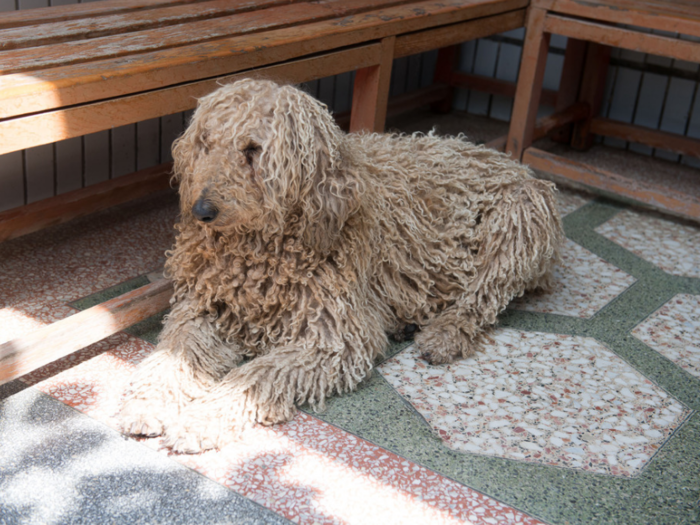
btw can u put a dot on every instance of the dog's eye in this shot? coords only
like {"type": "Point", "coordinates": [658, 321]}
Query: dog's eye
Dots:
{"type": "Point", "coordinates": [251, 151]}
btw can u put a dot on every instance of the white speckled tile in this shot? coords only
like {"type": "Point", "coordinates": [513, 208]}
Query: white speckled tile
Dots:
{"type": "Point", "coordinates": [672, 246]}
{"type": "Point", "coordinates": [585, 283]}
{"type": "Point", "coordinates": [554, 399]}
{"type": "Point", "coordinates": [569, 201]}
{"type": "Point", "coordinates": [674, 332]}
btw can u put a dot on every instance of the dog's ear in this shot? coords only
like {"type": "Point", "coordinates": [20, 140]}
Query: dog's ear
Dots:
{"type": "Point", "coordinates": [326, 190]}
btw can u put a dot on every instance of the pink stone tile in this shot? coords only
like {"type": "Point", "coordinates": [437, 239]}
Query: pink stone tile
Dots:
{"type": "Point", "coordinates": [674, 332]}
{"type": "Point", "coordinates": [584, 283]}
{"type": "Point", "coordinates": [554, 399]}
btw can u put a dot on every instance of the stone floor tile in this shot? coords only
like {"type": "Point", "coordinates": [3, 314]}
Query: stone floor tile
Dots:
{"type": "Point", "coordinates": [554, 399]}
{"type": "Point", "coordinates": [674, 332]}
{"type": "Point", "coordinates": [672, 246]}
{"type": "Point", "coordinates": [569, 201]}
{"type": "Point", "coordinates": [584, 283]}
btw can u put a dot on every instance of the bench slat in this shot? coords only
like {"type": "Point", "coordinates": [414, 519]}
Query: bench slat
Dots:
{"type": "Point", "coordinates": [44, 128]}
{"type": "Point", "coordinates": [40, 15]}
{"type": "Point", "coordinates": [67, 53]}
{"type": "Point", "coordinates": [95, 27]}
{"type": "Point", "coordinates": [80, 83]}
{"type": "Point", "coordinates": [669, 15]}
{"type": "Point", "coordinates": [19, 60]}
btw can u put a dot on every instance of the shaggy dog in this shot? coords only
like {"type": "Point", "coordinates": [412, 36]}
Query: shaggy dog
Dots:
{"type": "Point", "coordinates": [301, 247]}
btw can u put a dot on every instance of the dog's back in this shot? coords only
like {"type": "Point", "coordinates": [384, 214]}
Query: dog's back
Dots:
{"type": "Point", "coordinates": [436, 199]}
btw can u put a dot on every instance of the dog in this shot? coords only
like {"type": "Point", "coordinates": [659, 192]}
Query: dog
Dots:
{"type": "Point", "coordinates": [300, 247]}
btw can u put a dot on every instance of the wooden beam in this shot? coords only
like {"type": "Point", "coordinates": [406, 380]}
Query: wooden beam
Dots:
{"type": "Point", "coordinates": [650, 137]}
{"type": "Point", "coordinates": [499, 143]}
{"type": "Point", "coordinates": [64, 13]}
{"type": "Point", "coordinates": [625, 38]}
{"type": "Point", "coordinates": [665, 15]}
{"type": "Point", "coordinates": [45, 345]}
{"type": "Point", "coordinates": [403, 103]}
{"type": "Point", "coordinates": [496, 86]}
{"type": "Point", "coordinates": [102, 79]}
{"type": "Point", "coordinates": [574, 60]}
{"type": "Point", "coordinates": [547, 124]}
{"type": "Point", "coordinates": [656, 196]}
{"type": "Point", "coordinates": [444, 69]}
{"type": "Point", "coordinates": [592, 92]}
{"type": "Point", "coordinates": [371, 92]}
{"type": "Point", "coordinates": [62, 208]}
{"type": "Point", "coordinates": [529, 89]}
{"type": "Point", "coordinates": [422, 41]}
{"type": "Point", "coordinates": [45, 128]}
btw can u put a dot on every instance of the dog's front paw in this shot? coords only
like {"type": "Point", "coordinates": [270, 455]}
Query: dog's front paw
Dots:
{"type": "Point", "coordinates": [205, 426]}
{"type": "Point", "coordinates": [190, 437]}
{"type": "Point", "coordinates": [443, 345]}
{"type": "Point", "coordinates": [142, 417]}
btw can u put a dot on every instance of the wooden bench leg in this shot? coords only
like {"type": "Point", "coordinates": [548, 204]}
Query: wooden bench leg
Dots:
{"type": "Point", "coordinates": [371, 92]}
{"type": "Point", "coordinates": [446, 61]}
{"type": "Point", "coordinates": [592, 92]}
{"type": "Point", "coordinates": [529, 88]}
{"type": "Point", "coordinates": [569, 84]}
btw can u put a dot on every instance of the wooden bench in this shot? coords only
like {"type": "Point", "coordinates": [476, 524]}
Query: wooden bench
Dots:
{"type": "Point", "coordinates": [73, 70]}
{"type": "Point", "coordinates": [593, 27]}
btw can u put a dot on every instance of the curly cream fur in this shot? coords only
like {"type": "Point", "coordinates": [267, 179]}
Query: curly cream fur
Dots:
{"type": "Point", "coordinates": [325, 242]}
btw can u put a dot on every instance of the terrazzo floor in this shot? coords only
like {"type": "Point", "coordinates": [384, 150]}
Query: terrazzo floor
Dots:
{"type": "Point", "coordinates": [582, 409]}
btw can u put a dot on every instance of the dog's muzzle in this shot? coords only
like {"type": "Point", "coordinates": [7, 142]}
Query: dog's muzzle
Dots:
{"type": "Point", "coordinates": [204, 210]}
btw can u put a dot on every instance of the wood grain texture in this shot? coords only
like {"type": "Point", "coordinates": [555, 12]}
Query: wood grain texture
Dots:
{"type": "Point", "coordinates": [592, 92]}
{"type": "Point", "coordinates": [371, 91]}
{"type": "Point", "coordinates": [624, 38]}
{"type": "Point", "coordinates": [529, 87]}
{"type": "Point", "coordinates": [650, 137]}
{"type": "Point", "coordinates": [45, 128]}
{"type": "Point", "coordinates": [94, 27]}
{"type": "Point", "coordinates": [572, 70]}
{"type": "Point", "coordinates": [187, 31]}
{"type": "Point", "coordinates": [445, 67]}
{"type": "Point", "coordinates": [81, 83]}
{"type": "Point", "coordinates": [666, 15]}
{"type": "Point", "coordinates": [45, 345]}
{"type": "Point", "coordinates": [496, 86]}
{"type": "Point", "coordinates": [660, 197]}
{"type": "Point", "coordinates": [47, 15]}
{"type": "Point", "coordinates": [548, 124]}
{"type": "Point", "coordinates": [457, 33]}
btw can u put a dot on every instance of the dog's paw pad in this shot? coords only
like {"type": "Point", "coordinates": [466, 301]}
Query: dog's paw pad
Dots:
{"type": "Point", "coordinates": [141, 426]}
{"type": "Point", "coordinates": [436, 359]}
{"type": "Point", "coordinates": [187, 440]}
{"type": "Point", "coordinates": [438, 346]}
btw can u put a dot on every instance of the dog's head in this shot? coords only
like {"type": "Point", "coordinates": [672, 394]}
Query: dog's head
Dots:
{"type": "Point", "coordinates": [258, 155]}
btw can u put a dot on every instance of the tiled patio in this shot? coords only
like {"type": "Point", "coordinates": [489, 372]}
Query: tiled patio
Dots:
{"type": "Point", "coordinates": [583, 409]}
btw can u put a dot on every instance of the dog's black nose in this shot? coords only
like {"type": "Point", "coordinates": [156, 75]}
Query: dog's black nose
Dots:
{"type": "Point", "coordinates": [204, 210]}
